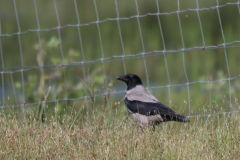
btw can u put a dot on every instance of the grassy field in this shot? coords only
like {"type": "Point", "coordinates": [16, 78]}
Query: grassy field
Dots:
{"type": "Point", "coordinates": [27, 138]}
{"type": "Point", "coordinates": [47, 73]}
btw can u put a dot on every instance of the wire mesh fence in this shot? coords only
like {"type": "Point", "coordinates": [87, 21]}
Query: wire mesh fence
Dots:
{"type": "Point", "coordinates": [59, 55]}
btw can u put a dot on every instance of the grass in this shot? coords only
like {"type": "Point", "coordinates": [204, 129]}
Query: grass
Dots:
{"type": "Point", "coordinates": [75, 137]}
{"type": "Point", "coordinates": [27, 138]}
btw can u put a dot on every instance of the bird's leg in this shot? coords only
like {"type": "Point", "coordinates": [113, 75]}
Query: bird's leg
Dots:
{"type": "Point", "coordinates": [142, 126]}
{"type": "Point", "coordinates": [156, 123]}
{"type": "Point", "coordinates": [147, 127]}
{"type": "Point", "coordinates": [153, 127]}
{"type": "Point", "coordinates": [152, 124]}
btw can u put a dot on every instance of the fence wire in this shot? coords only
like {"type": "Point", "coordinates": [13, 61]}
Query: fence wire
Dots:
{"type": "Point", "coordinates": [124, 58]}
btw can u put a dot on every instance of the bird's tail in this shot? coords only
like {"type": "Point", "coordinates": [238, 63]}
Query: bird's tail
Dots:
{"type": "Point", "coordinates": [178, 118]}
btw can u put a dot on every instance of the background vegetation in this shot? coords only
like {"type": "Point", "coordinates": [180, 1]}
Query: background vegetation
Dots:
{"type": "Point", "coordinates": [49, 74]}
{"type": "Point", "coordinates": [51, 69]}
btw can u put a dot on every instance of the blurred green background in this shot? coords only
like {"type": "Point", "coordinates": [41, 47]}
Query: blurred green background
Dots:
{"type": "Point", "coordinates": [83, 47]}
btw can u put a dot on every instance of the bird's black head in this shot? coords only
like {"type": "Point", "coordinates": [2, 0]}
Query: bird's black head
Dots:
{"type": "Point", "coordinates": [131, 80]}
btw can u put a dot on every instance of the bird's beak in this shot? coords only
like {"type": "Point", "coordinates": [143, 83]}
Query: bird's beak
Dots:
{"type": "Point", "coordinates": [122, 78]}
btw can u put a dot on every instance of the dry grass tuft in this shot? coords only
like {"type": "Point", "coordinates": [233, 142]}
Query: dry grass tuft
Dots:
{"type": "Point", "coordinates": [24, 139]}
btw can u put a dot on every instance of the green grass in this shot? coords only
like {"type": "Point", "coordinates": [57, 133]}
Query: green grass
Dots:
{"type": "Point", "coordinates": [67, 132]}
{"type": "Point", "coordinates": [27, 138]}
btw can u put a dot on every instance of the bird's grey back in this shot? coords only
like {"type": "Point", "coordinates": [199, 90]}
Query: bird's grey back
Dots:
{"type": "Point", "coordinates": [139, 94]}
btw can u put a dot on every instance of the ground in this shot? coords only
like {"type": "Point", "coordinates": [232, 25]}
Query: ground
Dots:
{"type": "Point", "coordinates": [30, 139]}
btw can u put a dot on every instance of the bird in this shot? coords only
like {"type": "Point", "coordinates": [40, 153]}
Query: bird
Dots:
{"type": "Point", "coordinates": [143, 107]}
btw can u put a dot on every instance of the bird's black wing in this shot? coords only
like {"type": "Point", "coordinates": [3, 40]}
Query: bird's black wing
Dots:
{"type": "Point", "coordinates": [150, 109]}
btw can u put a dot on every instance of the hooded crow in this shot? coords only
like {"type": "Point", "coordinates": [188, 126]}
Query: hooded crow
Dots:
{"type": "Point", "coordinates": [143, 107]}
